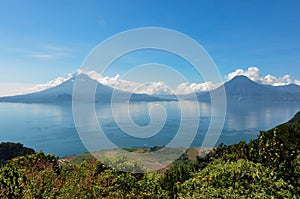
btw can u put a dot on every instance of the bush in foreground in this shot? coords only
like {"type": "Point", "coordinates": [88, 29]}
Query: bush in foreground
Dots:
{"type": "Point", "coordinates": [240, 179]}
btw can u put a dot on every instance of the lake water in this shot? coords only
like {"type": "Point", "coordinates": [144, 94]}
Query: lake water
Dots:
{"type": "Point", "coordinates": [51, 128]}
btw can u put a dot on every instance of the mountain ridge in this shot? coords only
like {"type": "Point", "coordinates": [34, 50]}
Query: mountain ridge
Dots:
{"type": "Point", "coordinates": [295, 119]}
{"type": "Point", "coordinates": [238, 89]}
{"type": "Point", "coordinates": [242, 89]}
{"type": "Point", "coordinates": [64, 91]}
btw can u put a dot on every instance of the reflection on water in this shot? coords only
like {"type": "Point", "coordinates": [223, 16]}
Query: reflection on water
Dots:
{"type": "Point", "coordinates": [51, 128]}
{"type": "Point", "coordinates": [44, 127]}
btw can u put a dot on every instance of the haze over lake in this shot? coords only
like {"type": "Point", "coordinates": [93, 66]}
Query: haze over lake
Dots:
{"type": "Point", "coordinates": [51, 128]}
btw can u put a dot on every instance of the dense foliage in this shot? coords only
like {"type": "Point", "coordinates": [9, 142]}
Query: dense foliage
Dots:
{"type": "Point", "coordinates": [276, 149]}
{"type": "Point", "coordinates": [9, 150]}
{"type": "Point", "coordinates": [240, 179]}
{"type": "Point", "coordinates": [267, 167]}
{"type": "Point", "coordinates": [40, 176]}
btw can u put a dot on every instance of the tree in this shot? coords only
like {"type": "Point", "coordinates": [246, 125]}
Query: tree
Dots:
{"type": "Point", "coordinates": [9, 150]}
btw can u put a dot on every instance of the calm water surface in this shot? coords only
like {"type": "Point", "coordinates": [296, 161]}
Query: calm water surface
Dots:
{"type": "Point", "coordinates": [51, 128]}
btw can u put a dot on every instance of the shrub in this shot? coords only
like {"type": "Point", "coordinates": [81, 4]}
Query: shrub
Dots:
{"type": "Point", "coordinates": [240, 179]}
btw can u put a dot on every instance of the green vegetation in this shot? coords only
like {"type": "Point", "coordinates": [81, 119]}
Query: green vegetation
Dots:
{"type": "Point", "coordinates": [267, 167]}
{"type": "Point", "coordinates": [239, 179]}
{"type": "Point", "coordinates": [276, 149]}
{"type": "Point", "coordinates": [9, 150]}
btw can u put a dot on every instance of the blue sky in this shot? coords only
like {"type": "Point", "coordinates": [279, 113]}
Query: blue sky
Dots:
{"type": "Point", "coordinates": [41, 40]}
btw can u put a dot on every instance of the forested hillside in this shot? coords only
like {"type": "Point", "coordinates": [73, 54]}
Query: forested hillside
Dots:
{"type": "Point", "coordinates": [9, 150]}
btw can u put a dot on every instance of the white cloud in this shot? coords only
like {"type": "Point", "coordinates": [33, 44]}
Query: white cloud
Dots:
{"type": "Point", "coordinates": [154, 88]}
{"type": "Point", "coordinates": [15, 88]}
{"type": "Point", "coordinates": [186, 88]}
{"type": "Point", "coordinates": [253, 73]}
{"type": "Point", "coordinates": [49, 52]}
{"type": "Point", "coordinates": [151, 88]}
{"type": "Point", "coordinates": [114, 82]}
{"type": "Point", "coordinates": [46, 55]}
{"type": "Point", "coordinates": [56, 48]}
{"type": "Point", "coordinates": [50, 84]}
